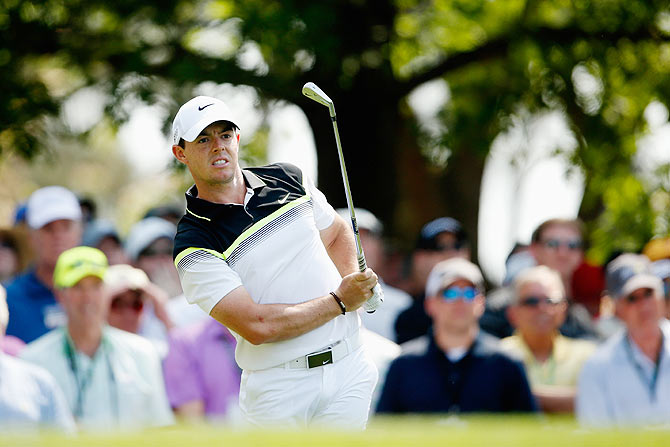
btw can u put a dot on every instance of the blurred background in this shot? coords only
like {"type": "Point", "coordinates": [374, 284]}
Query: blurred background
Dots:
{"type": "Point", "coordinates": [500, 113]}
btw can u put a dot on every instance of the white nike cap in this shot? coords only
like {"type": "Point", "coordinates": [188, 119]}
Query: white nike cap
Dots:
{"type": "Point", "coordinates": [197, 114]}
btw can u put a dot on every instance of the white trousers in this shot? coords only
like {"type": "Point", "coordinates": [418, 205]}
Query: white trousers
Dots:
{"type": "Point", "coordinates": [336, 395]}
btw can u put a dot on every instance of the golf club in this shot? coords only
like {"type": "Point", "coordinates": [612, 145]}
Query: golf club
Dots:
{"type": "Point", "coordinates": [313, 92]}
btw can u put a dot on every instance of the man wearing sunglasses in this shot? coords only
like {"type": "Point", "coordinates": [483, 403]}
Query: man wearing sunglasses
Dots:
{"type": "Point", "coordinates": [552, 361]}
{"type": "Point", "coordinates": [132, 296]}
{"type": "Point", "coordinates": [456, 368]}
{"type": "Point", "coordinates": [627, 381]}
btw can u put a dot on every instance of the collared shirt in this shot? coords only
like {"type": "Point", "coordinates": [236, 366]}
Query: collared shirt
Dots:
{"type": "Point", "coordinates": [200, 366]}
{"type": "Point", "coordinates": [121, 386]}
{"type": "Point", "coordinates": [617, 385]}
{"type": "Point", "coordinates": [561, 368]}
{"type": "Point", "coordinates": [424, 380]}
{"type": "Point", "coordinates": [33, 308]}
{"type": "Point", "coordinates": [271, 245]}
{"type": "Point", "coordinates": [30, 398]}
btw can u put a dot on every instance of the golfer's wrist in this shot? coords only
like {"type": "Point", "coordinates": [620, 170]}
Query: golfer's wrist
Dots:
{"type": "Point", "coordinates": [340, 303]}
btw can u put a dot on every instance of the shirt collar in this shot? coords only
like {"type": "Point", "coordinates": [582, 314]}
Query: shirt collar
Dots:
{"type": "Point", "coordinates": [252, 180]}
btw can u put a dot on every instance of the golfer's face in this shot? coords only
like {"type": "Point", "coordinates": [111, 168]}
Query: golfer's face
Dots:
{"type": "Point", "coordinates": [212, 156]}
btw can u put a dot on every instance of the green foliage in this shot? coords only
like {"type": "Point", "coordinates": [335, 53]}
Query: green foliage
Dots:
{"type": "Point", "coordinates": [599, 62]}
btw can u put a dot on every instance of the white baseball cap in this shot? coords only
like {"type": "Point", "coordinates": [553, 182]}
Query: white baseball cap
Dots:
{"type": "Point", "coordinates": [197, 114]}
{"type": "Point", "coordinates": [447, 272]}
{"type": "Point", "coordinates": [51, 203]}
{"type": "Point", "coordinates": [145, 232]}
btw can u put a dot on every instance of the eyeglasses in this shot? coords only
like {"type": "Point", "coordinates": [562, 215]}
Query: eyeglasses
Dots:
{"type": "Point", "coordinates": [555, 244]}
{"type": "Point", "coordinates": [535, 301]}
{"type": "Point", "coordinates": [119, 305]}
{"type": "Point", "coordinates": [643, 295]}
{"type": "Point", "coordinates": [454, 293]}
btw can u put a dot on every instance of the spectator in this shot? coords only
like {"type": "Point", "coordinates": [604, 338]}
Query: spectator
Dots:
{"type": "Point", "coordinates": [201, 376]}
{"type": "Point", "coordinates": [395, 300]}
{"type": "Point", "coordinates": [439, 239]}
{"type": "Point", "coordinates": [102, 234]}
{"type": "Point", "coordinates": [458, 368]}
{"type": "Point", "coordinates": [558, 244]}
{"type": "Point", "coordinates": [54, 218]}
{"type": "Point", "coordinates": [29, 395]}
{"type": "Point", "coordinates": [130, 290]}
{"type": "Point", "coordinates": [149, 245]}
{"type": "Point", "coordinates": [552, 361]}
{"type": "Point", "coordinates": [627, 381]}
{"type": "Point", "coordinates": [111, 378]}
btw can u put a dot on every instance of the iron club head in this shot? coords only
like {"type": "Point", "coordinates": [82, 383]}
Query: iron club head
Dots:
{"type": "Point", "coordinates": [313, 92]}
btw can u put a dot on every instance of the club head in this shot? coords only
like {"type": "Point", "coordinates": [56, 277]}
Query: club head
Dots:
{"type": "Point", "coordinates": [314, 93]}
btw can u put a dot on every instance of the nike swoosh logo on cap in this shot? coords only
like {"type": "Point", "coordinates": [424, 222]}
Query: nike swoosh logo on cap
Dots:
{"type": "Point", "coordinates": [204, 107]}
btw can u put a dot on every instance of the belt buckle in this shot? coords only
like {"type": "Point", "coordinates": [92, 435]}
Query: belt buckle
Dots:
{"type": "Point", "coordinates": [320, 358]}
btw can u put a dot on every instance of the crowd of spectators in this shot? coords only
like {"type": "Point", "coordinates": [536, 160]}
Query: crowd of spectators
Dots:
{"type": "Point", "coordinates": [95, 332]}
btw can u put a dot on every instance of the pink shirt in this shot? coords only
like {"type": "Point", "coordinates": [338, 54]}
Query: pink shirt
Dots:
{"type": "Point", "coordinates": [200, 365]}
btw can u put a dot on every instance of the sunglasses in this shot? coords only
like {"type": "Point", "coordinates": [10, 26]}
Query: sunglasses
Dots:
{"type": "Point", "coordinates": [454, 293]}
{"type": "Point", "coordinates": [643, 295]}
{"type": "Point", "coordinates": [535, 301]}
{"type": "Point", "coordinates": [119, 305]}
{"type": "Point", "coordinates": [555, 244]}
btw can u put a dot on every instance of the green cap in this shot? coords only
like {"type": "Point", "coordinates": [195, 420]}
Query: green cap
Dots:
{"type": "Point", "coordinates": [77, 263]}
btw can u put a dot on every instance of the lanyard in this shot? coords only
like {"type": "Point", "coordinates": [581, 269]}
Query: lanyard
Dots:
{"type": "Point", "coordinates": [84, 381]}
{"type": "Point", "coordinates": [640, 371]}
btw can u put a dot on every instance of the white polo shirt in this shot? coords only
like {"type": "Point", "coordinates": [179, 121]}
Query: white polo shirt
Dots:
{"type": "Point", "coordinates": [271, 246]}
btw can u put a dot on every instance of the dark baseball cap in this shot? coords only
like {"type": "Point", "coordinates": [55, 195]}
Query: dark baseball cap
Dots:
{"type": "Point", "coordinates": [629, 272]}
{"type": "Point", "coordinates": [428, 239]}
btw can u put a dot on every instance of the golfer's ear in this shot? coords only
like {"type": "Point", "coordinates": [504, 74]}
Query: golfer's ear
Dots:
{"type": "Point", "coordinates": [178, 153]}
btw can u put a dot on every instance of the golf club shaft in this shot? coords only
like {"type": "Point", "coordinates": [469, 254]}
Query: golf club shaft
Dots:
{"type": "Point", "coordinates": [362, 265]}
{"type": "Point", "coordinates": [315, 93]}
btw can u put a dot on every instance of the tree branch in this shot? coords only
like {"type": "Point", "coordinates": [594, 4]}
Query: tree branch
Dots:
{"type": "Point", "coordinates": [498, 47]}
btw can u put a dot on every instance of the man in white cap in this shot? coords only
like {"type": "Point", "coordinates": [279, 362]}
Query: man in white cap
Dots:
{"type": "Point", "coordinates": [627, 380]}
{"type": "Point", "coordinates": [456, 368]}
{"type": "Point", "coordinates": [263, 252]}
{"type": "Point", "coordinates": [54, 218]}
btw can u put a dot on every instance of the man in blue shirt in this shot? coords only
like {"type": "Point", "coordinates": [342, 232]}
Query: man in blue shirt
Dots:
{"type": "Point", "coordinates": [456, 368]}
{"type": "Point", "coordinates": [54, 217]}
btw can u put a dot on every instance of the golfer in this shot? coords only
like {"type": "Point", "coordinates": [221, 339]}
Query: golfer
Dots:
{"type": "Point", "coordinates": [263, 252]}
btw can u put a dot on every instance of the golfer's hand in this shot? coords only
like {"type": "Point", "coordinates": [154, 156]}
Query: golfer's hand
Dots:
{"type": "Point", "coordinates": [375, 300]}
{"type": "Point", "coordinates": [356, 288]}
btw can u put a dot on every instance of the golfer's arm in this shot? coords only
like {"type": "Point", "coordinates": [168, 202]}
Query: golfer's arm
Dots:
{"type": "Point", "coordinates": [266, 323]}
{"type": "Point", "coordinates": [338, 239]}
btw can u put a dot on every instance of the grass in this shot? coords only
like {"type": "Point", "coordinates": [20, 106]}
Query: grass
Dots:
{"type": "Point", "coordinates": [414, 431]}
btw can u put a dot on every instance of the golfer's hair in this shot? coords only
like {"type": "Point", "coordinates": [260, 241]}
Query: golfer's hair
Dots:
{"type": "Point", "coordinates": [4, 312]}
{"type": "Point", "coordinates": [577, 224]}
{"type": "Point", "coordinates": [543, 275]}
